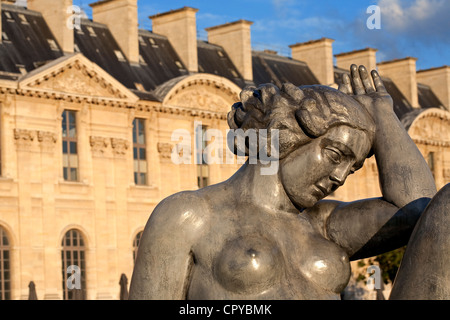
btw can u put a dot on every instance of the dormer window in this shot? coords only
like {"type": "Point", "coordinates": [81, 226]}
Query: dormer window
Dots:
{"type": "Point", "coordinates": [91, 31]}
{"type": "Point", "coordinates": [142, 41]}
{"type": "Point", "coordinates": [119, 55]}
{"type": "Point", "coordinates": [142, 61]}
{"type": "Point", "coordinates": [52, 44]}
{"type": "Point", "coordinates": [179, 65]}
{"type": "Point", "coordinates": [22, 18]}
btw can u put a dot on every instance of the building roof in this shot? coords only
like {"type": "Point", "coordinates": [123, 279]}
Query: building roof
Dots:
{"type": "Point", "coordinates": [214, 59]}
{"type": "Point", "coordinates": [160, 62]}
{"type": "Point", "coordinates": [427, 98]}
{"type": "Point", "coordinates": [27, 41]}
{"type": "Point", "coordinates": [28, 44]}
{"type": "Point", "coordinates": [276, 69]}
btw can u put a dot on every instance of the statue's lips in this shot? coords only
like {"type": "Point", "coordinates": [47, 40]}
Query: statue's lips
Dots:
{"type": "Point", "coordinates": [324, 191]}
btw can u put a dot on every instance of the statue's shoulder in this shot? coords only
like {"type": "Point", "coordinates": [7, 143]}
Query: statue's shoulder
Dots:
{"type": "Point", "coordinates": [181, 201]}
{"type": "Point", "coordinates": [181, 206]}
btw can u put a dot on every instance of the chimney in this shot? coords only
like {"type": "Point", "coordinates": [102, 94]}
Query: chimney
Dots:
{"type": "Point", "coordinates": [403, 73]}
{"type": "Point", "coordinates": [366, 57]}
{"type": "Point", "coordinates": [180, 27]}
{"type": "Point", "coordinates": [121, 17]}
{"type": "Point", "coordinates": [318, 54]}
{"type": "Point", "coordinates": [234, 37]}
{"type": "Point", "coordinates": [439, 81]}
{"type": "Point", "coordinates": [56, 14]}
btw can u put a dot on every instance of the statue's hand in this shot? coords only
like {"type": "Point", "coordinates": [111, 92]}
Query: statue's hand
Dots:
{"type": "Point", "coordinates": [376, 100]}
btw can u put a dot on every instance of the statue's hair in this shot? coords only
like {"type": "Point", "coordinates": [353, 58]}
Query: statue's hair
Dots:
{"type": "Point", "coordinates": [299, 113]}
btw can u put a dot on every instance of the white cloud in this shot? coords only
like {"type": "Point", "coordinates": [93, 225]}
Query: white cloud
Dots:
{"type": "Point", "coordinates": [412, 16]}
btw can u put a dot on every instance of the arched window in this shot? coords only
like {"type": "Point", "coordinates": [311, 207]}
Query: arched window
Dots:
{"type": "Point", "coordinates": [73, 254]}
{"type": "Point", "coordinates": [5, 267]}
{"type": "Point", "coordinates": [136, 241]}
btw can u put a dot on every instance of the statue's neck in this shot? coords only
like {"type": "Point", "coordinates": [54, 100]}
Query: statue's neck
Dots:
{"type": "Point", "coordinates": [261, 184]}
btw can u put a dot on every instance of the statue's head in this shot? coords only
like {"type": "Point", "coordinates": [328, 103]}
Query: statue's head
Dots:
{"type": "Point", "coordinates": [324, 135]}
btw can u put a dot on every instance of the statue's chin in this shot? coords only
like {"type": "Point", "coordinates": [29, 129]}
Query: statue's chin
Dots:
{"type": "Point", "coordinates": [302, 203]}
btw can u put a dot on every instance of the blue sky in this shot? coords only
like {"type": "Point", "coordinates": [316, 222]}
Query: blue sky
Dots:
{"type": "Point", "coordinates": [417, 28]}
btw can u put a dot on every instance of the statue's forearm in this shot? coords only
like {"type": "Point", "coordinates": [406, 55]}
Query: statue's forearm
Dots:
{"type": "Point", "coordinates": [403, 172]}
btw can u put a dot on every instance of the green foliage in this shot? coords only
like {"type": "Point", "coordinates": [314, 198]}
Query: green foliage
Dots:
{"type": "Point", "coordinates": [360, 277]}
{"type": "Point", "coordinates": [389, 263]}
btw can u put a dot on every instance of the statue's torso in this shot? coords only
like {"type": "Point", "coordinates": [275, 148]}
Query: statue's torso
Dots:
{"type": "Point", "coordinates": [249, 253]}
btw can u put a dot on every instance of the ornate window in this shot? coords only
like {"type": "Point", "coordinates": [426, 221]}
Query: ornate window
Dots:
{"type": "Point", "coordinates": [139, 152]}
{"type": "Point", "coordinates": [69, 145]}
{"type": "Point", "coordinates": [136, 241]}
{"type": "Point", "coordinates": [73, 254]}
{"type": "Point", "coordinates": [5, 266]}
{"type": "Point", "coordinates": [202, 165]}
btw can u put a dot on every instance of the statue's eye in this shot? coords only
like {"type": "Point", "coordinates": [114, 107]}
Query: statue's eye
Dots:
{"type": "Point", "coordinates": [333, 154]}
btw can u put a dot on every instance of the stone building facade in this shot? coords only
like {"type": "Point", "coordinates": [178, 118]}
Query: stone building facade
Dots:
{"type": "Point", "coordinates": [91, 110]}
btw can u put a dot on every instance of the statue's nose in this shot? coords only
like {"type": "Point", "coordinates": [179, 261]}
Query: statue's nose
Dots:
{"type": "Point", "coordinates": [340, 174]}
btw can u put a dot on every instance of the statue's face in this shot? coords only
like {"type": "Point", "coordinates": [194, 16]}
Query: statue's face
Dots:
{"type": "Point", "coordinates": [318, 168]}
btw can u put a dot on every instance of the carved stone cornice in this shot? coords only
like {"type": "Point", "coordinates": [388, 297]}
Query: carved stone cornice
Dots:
{"type": "Point", "coordinates": [430, 142]}
{"type": "Point", "coordinates": [185, 111]}
{"type": "Point", "coordinates": [119, 146]}
{"type": "Point", "coordinates": [74, 78]}
{"type": "Point", "coordinates": [167, 109]}
{"type": "Point", "coordinates": [101, 146]}
{"type": "Point", "coordinates": [46, 137]}
{"type": "Point", "coordinates": [48, 95]}
{"type": "Point", "coordinates": [25, 138]}
{"type": "Point", "coordinates": [47, 141]}
{"type": "Point", "coordinates": [98, 145]}
{"type": "Point", "coordinates": [205, 83]}
{"type": "Point", "coordinates": [24, 134]}
{"type": "Point", "coordinates": [165, 150]}
{"type": "Point", "coordinates": [74, 75]}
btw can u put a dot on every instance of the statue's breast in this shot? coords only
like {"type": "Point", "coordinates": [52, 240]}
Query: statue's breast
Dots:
{"type": "Point", "coordinates": [325, 264]}
{"type": "Point", "coordinates": [248, 264]}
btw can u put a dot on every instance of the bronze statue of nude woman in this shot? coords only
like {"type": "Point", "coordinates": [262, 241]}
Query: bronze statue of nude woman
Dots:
{"type": "Point", "coordinates": [273, 236]}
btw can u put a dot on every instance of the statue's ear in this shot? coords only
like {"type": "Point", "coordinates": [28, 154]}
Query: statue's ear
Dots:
{"type": "Point", "coordinates": [295, 92]}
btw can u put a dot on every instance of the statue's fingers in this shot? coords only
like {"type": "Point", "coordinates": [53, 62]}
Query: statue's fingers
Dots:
{"type": "Point", "coordinates": [358, 87]}
{"type": "Point", "coordinates": [345, 86]}
{"type": "Point", "coordinates": [379, 85]}
{"type": "Point", "coordinates": [366, 79]}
